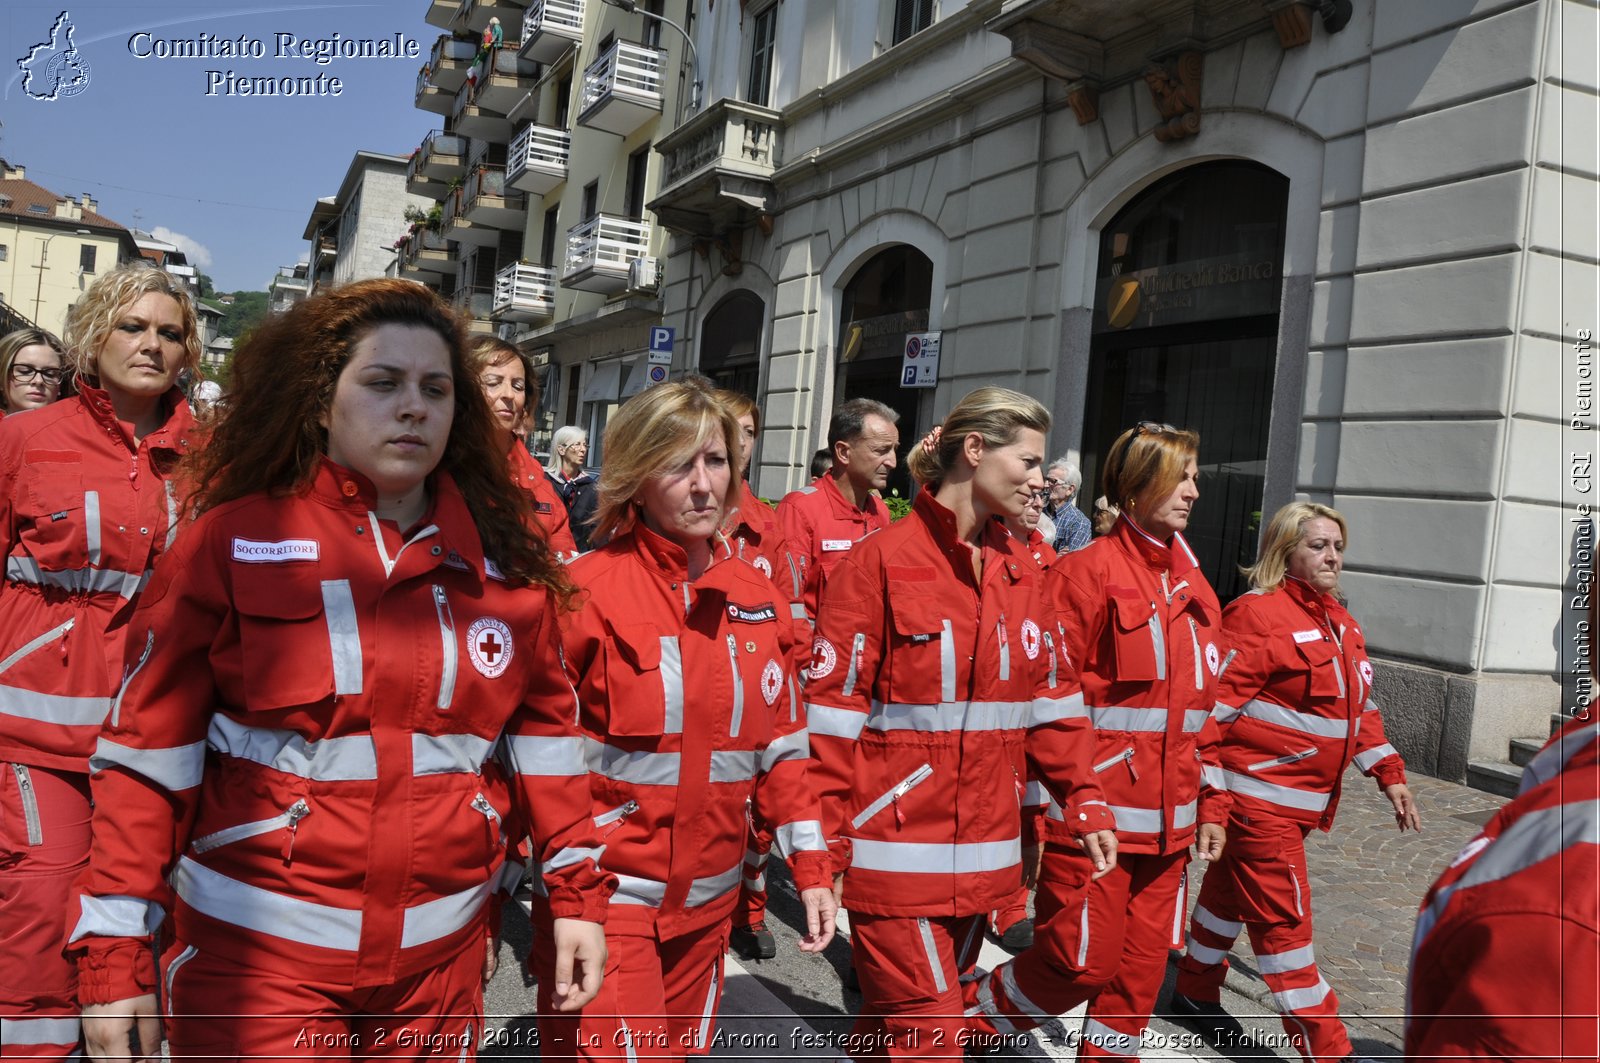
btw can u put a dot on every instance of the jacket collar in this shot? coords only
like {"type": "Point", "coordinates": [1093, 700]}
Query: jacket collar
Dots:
{"type": "Point", "coordinates": [665, 557]}
{"type": "Point", "coordinates": [338, 487]}
{"type": "Point", "coordinates": [830, 487]}
{"type": "Point", "coordinates": [176, 423]}
{"type": "Point", "coordinates": [1174, 557]}
{"type": "Point", "coordinates": [994, 539]}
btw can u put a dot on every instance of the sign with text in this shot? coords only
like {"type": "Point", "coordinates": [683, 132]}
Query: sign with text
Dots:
{"type": "Point", "coordinates": [661, 340]}
{"type": "Point", "coordinates": [920, 366]}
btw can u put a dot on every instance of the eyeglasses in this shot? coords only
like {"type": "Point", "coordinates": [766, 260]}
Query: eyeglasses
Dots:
{"type": "Point", "coordinates": [1050, 485]}
{"type": "Point", "coordinates": [23, 373]}
{"type": "Point", "coordinates": [1152, 426]}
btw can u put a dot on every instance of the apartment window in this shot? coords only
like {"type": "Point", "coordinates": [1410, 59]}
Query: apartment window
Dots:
{"type": "Point", "coordinates": [759, 88]}
{"type": "Point", "coordinates": [4, 252]}
{"type": "Point", "coordinates": [652, 28]}
{"type": "Point", "coordinates": [547, 240]}
{"type": "Point", "coordinates": [911, 16]}
{"type": "Point", "coordinates": [86, 257]}
{"type": "Point", "coordinates": [638, 170]}
{"type": "Point", "coordinates": [591, 200]}
{"type": "Point", "coordinates": [563, 101]}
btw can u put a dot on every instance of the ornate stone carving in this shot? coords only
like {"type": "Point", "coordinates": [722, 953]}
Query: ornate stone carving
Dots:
{"type": "Point", "coordinates": [1175, 88]}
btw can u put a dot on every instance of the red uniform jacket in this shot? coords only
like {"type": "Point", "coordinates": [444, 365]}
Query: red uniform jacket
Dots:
{"type": "Point", "coordinates": [84, 513]}
{"type": "Point", "coordinates": [821, 526]}
{"type": "Point", "coordinates": [547, 504]}
{"type": "Point", "coordinates": [1505, 963]}
{"type": "Point", "coordinates": [925, 685]}
{"type": "Point", "coordinates": [303, 745]}
{"type": "Point", "coordinates": [1296, 705]}
{"type": "Point", "coordinates": [1142, 624]}
{"type": "Point", "coordinates": [689, 709]}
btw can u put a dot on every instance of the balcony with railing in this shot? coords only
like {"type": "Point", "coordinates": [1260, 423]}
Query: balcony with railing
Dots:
{"type": "Point", "coordinates": [485, 200]}
{"type": "Point", "coordinates": [426, 256]}
{"type": "Point", "coordinates": [442, 13]}
{"type": "Point", "coordinates": [622, 88]}
{"type": "Point", "coordinates": [327, 250]}
{"type": "Point", "coordinates": [599, 251]}
{"type": "Point", "coordinates": [538, 159]}
{"type": "Point", "coordinates": [524, 292]}
{"type": "Point", "coordinates": [457, 226]}
{"type": "Point", "coordinates": [476, 305]}
{"type": "Point", "coordinates": [718, 170]}
{"type": "Point", "coordinates": [507, 79]}
{"type": "Point", "coordinates": [445, 73]}
{"type": "Point", "coordinates": [440, 159]}
{"type": "Point", "coordinates": [550, 28]}
{"type": "Point", "coordinates": [475, 15]}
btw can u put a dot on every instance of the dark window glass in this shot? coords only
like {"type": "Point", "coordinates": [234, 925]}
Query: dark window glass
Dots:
{"type": "Point", "coordinates": [759, 89]}
{"type": "Point", "coordinates": [638, 170]}
{"type": "Point", "coordinates": [86, 254]}
{"type": "Point", "coordinates": [591, 200]}
{"type": "Point", "coordinates": [547, 240]}
{"type": "Point", "coordinates": [911, 16]}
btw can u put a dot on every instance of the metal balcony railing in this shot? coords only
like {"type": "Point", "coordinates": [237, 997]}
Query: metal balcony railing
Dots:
{"type": "Point", "coordinates": [538, 159]}
{"type": "Point", "coordinates": [524, 292]}
{"type": "Point", "coordinates": [550, 28]}
{"type": "Point", "coordinates": [605, 242]}
{"type": "Point", "coordinates": [626, 78]}
{"type": "Point", "coordinates": [437, 159]}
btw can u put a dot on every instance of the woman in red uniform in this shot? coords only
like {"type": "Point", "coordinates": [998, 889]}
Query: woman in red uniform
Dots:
{"type": "Point", "coordinates": [1143, 625]}
{"type": "Point", "coordinates": [936, 659]}
{"type": "Point", "coordinates": [506, 377]}
{"type": "Point", "coordinates": [689, 708]}
{"type": "Point", "coordinates": [86, 507]}
{"type": "Point", "coordinates": [1296, 704]}
{"type": "Point", "coordinates": [32, 366]}
{"type": "Point", "coordinates": [300, 763]}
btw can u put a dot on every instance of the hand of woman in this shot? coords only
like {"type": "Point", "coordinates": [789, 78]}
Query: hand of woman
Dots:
{"type": "Point", "coordinates": [1209, 840]}
{"type": "Point", "coordinates": [821, 913]}
{"type": "Point", "coordinates": [1101, 848]}
{"type": "Point", "coordinates": [1405, 807]}
{"type": "Point", "coordinates": [111, 1030]}
{"type": "Point", "coordinates": [491, 957]}
{"type": "Point", "coordinates": [581, 953]}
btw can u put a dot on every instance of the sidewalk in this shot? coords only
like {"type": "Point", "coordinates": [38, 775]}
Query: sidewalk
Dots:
{"type": "Point", "coordinates": [1366, 882]}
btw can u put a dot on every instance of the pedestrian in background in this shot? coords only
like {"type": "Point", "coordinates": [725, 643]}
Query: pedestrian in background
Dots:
{"type": "Point", "coordinates": [1296, 707]}
{"type": "Point", "coordinates": [821, 463]}
{"type": "Point", "coordinates": [569, 449]}
{"type": "Point", "coordinates": [87, 504]}
{"type": "Point", "coordinates": [35, 367]}
{"type": "Point", "coordinates": [317, 680]}
{"type": "Point", "coordinates": [1105, 516]}
{"type": "Point", "coordinates": [689, 708]}
{"type": "Point", "coordinates": [1072, 528]}
{"type": "Point", "coordinates": [1143, 625]}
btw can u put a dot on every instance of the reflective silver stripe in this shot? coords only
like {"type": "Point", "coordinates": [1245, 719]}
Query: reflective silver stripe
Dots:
{"type": "Point", "coordinates": [923, 773]}
{"type": "Point", "coordinates": [1287, 796]}
{"type": "Point", "coordinates": [1184, 815]}
{"type": "Point", "coordinates": [634, 890]}
{"type": "Point", "coordinates": [1106, 1039]}
{"type": "Point", "coordinates": [672, 683]}
{"type": "Point", "coordinates": [349, 759]}
{"type": "Point", "coordinates": [1194, 720]}
{"type": "Point", "coordinates": [39, 1031]}
{"type": "Point", "coordinates": [1553, 757]}
{"type": "Point", "coordinates": [951, 716]}
{"type": "Point", "coordinates": [241, 904]}
{"type": "Point", "coordinates": [439, 754]}
{"type": "Point", "coordinates": [835, 722]}
{"type": "Point", "coordinates": [1199, 669]}
{"type": "Point", "coordinates": [1122, 718]}
{"type": "Point", "coordinates": [638, 766]}
{"type": "Point", "coordinates": [705, 890]}
{"type": "Point", "coordinates": [175, 767]}
{"type": "Point", "coordinates": [932, 952]}
{"type": "Point", "coordinates": [53, 708]}
{"type": "Point", "coordinates": [796, 745]}
{"type": "Point", "coordinates": [1050, 646]}
{"type": "Point", "coordinates": [1005, 657]}
{"type": "Point", "coordinates": [36, 643]}
{"type": "Point", "coordinates": [1224, 713]}
{"type": "Point", "coordinates": [572, 855]}
{"type": "Point", "coordinates": [115, 916]}
{"type": "Point", "coordinates": [1019, 999]}
{"type": "Point", "coordinates": [1290, 1000]}
{"type": "Point", "coordinates": [1368, 760]}
{"type": "Point", "coordinates": [1303, 722]}
{"type": "Point", "coordinates": [737, 716]}
{"type": "Point", "coordinates": [936, 858]}
{"type": "Point", "coordinates": [1035, 793]}
{"type": "Point", "coordinates": [1223, 670]}
{"type": "Point", "coordinates": [1137, 820]}
{"type": "Point", "coordinates": [797, 611]}
{"type": "Point", "coordinates": [1204, 953]}
{"type": "Point", "coordinates": [189, 953]}
{"type": "Point", "coordinates": [1211, 775]}
{"type": "Point", "coordinates": [1050, 710]}
{"type": "Point", "coordinates": [128, 674]}
{"type": "Point", "coordinates": [801, 836]}
{"type": "Point", "coordinates": [709, 1012]}
{"type": "Point", "coordinates": [512, 874]}
{"type": "Point", "coordinates": [1083, 933]}
{"type": "Point", "coordinates": [344, 635]}
{"type": "Point", "coordinates": [91, 526]}
{"type": "Point", "coordinates": [857, 646]}
{"type": "Point", "coordinates": [1221, 927]}
{"type": "Point", "coordinates": [947, 663]}
{"type": "Point", "coordinates": [75, 580]}
{"type": "Point", "coordinates": [172, 515]}
{"type": "Point", "coordinates": [732, 765]}
{"type": "Point", "coordinates": [1159, 639]}
{"type": "Point", "coordinates": [443, 916]}
{"type": "Point", "coordinates": [1284, 962]}
{"type": "Point", "coordinates": [533, 755]}
{"type": "Point", "coordinates": [448, 653]}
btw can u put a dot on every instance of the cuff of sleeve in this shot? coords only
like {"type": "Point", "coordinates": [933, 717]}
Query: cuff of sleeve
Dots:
{"type": "Point", "coordinates": [115, 969]}
{"type": "Point", "coordinates": [1086, 819]}
{"type": "Point", "coordinates": [811, 870]}
{"type": "Point", "coordinates": [589, 904]}
{"type": "Point", "coordinates": [1215, 805]}
{"type": "Point", "coordinates": [839, 850]}
{"type": "Point", "coordinates": [1389, 775]}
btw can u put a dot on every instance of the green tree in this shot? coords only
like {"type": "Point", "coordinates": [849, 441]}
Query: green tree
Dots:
{"type": "Point", "coordinates": [207, 290]}
{"type": "Point", "coordinates": [246, 312]}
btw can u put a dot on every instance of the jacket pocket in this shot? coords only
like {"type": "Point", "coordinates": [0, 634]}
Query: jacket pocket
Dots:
{"type": "Point", "coordinates": [53, 513]}
{"type": "Point", "coordinates": [892, 797]}
{"type": "Point", "coordinates": [287, 645]}
{"type": "Point", "coordinates": [1138, 640]}
{"type": "Point", "coordinates": [608, 821]}
{"type": "Point", "coordinates": [29, 800]}
{"type": "Point", "coordinates": [922, 658]}
{"type": "Point", "coordinates": [1324, 667]}
{"type": "Point", "coordinates": [288, 821]}
{"type": "Point", "coordinates": [644, 681]}
{"type": "Point", "coordinates": [1122, 757]}
{"type": "Point", "coordinates": [56, 636]}
{"type": "Point", "coordinates": [1278, 762]}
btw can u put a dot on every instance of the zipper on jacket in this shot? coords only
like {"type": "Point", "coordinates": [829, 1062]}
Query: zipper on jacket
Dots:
{"type": "Point", "coordinates": [288, 819]}
{"type": "Point", "coordinates": [1005, 649]}
{"type": "Point", "coordinates": [481, 804]}
{"type": "Point", "coordinates": [30, 803]}
{"type": "Point", "coordinates": [1280, 761]}
{"type": "Point", "coordinates": [1199, 667]}
{"type": "Point", "coordinates": [189, 953]}
{"type": "Point", "coordinates": [57, 632]}
{"type": "Point", "coordinates": [447, 640]}
{"type": "Point", "coordinates": [144, 657]}
{"type": "Point", "coordinates": [1110, 762]}
{"type": "Point", "coordinates": [1222, 670]}
{"type": "Point", "coordinates": [1050, 648]}
{"type": "Point", "coordinates": [857, 647]}
{"type": "Point", "coordinates": [900, 789]}
{"type": "Point", "coordinates": [738, 688]}
{"type": "Point", "coordinates": [610, 820]}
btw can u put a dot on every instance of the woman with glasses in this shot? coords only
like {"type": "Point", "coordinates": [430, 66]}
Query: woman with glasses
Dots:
{"type": "Point", "coordinates": [35, 364]}
{"type": "Point", "coordinates": [1143, 626]}
{"type": "Point", "coordinates": [86, 506]}
{"type": "Point", "coordinates": [577, 486]}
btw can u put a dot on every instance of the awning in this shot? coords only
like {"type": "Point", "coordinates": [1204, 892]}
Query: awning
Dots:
{"type": "Point", "coordinates": [605, 382]}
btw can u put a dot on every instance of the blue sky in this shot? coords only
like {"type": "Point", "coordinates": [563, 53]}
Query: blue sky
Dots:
{"type": "Point", "coordinates": [232, 179]}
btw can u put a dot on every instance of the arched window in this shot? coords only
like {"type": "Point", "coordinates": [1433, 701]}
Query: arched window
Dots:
{"type": "Point", "coordinates": [730, 343]}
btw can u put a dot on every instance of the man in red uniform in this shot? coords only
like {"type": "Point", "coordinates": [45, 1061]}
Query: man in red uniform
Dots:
{"type": "Point", "coordinates": [823, 521]}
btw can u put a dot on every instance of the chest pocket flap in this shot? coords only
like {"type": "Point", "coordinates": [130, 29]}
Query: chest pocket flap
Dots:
{"type": "Point", "coordinates": [644, 681]}
{"type": "Point", "coordinates": [1321, 661]}
{"type": "Point", "coordinates": [286, 637]}
{"type": "Point", "coordinates": [1138, 640]}
{"type": "Point", "coordinates": [922, 664]}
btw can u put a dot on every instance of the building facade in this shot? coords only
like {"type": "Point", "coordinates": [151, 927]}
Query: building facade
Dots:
{"type": "Point", "coordinates": [1351, 244]}
{"type": "Point", "coordinates": [352, 233]}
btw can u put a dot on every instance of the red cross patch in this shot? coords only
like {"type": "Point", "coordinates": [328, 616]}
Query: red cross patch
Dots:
{"type": "Point", "coordinates": [489, 646]}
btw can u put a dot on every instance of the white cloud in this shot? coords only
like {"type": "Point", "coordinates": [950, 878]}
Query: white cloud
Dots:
{"type": "Point", "coordinates": [199, 255]}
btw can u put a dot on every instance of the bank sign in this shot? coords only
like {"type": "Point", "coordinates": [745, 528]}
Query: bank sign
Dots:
{"type": "Point", "coordinates": [1205, 289]}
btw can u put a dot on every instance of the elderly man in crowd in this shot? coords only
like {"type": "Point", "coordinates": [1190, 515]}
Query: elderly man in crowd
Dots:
{"type": "Point", "coordinates": [1062, 480]}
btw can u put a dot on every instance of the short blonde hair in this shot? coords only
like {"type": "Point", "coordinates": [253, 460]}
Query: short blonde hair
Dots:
{"type": "Point", "coordinates": [1284, 533]}
{"type": "Point", "coordinates": [92, 318]}
{"type": "Point", "coordinates": [1146, 463]}
{"type": "Point", "coordinates": [997, 414]}
{"type": "Point", "coordinates": [655, 431]}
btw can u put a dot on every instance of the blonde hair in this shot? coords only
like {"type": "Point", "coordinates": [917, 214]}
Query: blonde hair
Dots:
{"type": "Point", "coordinates": [997, 414]}
{"type": "Point", "coordinates": [564, 436]}
{"type": "Point", "coordinates": [655, 431]}
{"type": "Point", "coordinates": [1284, 533]}
{"type": "Point", "coordinates": [92, 318]}
{"type": "Point", "coordinates": [742, 405]}
{"type": "Point", "coordinates": [12, 344]}
{"type": "Point", "coordinates": [1146, 463]}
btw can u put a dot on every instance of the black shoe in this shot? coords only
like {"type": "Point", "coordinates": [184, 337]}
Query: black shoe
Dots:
{"type": "Point", "coordinates": [1211, 1019]}
{"type": "Point", "coordinates": [753, 942]}
{"type": "Point", "coordinates": [1018, 936]}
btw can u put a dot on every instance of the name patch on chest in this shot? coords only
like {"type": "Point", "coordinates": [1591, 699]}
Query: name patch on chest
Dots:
{"type": "Point", "coordinates": [752, 614]}
{"type": "Point", "coordinates": [541, 507]}
{"type": "Point", "coordinates": [258, 552]}
{"type": "Point", "coordinates": [1307, 636]}
{"type": "Point", "coordinates": [832, 545]}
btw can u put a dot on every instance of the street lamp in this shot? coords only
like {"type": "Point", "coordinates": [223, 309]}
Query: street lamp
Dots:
{"type": "Point", "coordinates": [632, 7]}
{"type": "Point", "coordinates": [44, 257]}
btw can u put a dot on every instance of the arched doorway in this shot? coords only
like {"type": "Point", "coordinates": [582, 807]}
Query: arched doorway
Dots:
{"type": "Point", "coordinates": [730, 343]}
{"type": "Point", "coordinates": [888, 297]}
{"type": "Point", "coordinates": [1185, 331]}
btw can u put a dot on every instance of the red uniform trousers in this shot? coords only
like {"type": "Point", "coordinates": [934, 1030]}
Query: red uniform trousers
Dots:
{"type": "Point", "coordinates": [752, 904]}
{"type": "Point", "coordinates": [44, 845]}
{"type": "Point", "coordinates": [1260, 884]}
{"type": "Point", "coordinates": [911, 972]}
{"type": "Point", "coordinates": [219, 1008]}
{"type": "Point", "coordinates": [1103, 941]}
{"type": "Point", "coordinates": [1012, 912]}
{"type": "Point", "coordinates": [659, 999]}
